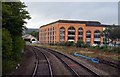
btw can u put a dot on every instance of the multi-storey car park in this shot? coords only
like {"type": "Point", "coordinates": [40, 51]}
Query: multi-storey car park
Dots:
{"type": "Point", "coordinates": [69, 30]}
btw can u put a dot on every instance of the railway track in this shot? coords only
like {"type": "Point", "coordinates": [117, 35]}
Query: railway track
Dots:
{"type": "Point", "coordinates": [112, 64]}
{"type": "Point", "coordinates": [70, 69]}
{"type": "Point", "coordinates": [76, 68]}
{"type": "Point", "coordinates": [42, 65]}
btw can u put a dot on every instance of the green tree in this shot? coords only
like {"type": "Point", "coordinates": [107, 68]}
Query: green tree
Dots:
{"type": "Point", "coordinates": [18, 46]}
{"type": "Point", "coordinates": [35, 34]}
{"type": "Point", "coordinates": [105, 34]}
{"type": "Point", "coordinates": [13, 19]}
{"type": "Point", "coordinates": [7, 62]}
{"type": "Point", "coordinates": [111, 32]}
{"type": "Point", "coordinates": [6, 44]}
{"type": "Point", "coordinates": [114, 32]}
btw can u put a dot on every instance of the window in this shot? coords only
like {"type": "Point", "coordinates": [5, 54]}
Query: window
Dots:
{"type": "Point", "coordinates": [97, 37]}
{"type": "Point", "coordinates": [88, 36]}
{"type": "Point", "coordinates": [80, 33]}
{"type": "Point", "coordinates": [97, 34]}
{"type": "Point", "coordinates": [62, 34]}
{"type": "Point", "coordinates": [71, 33]}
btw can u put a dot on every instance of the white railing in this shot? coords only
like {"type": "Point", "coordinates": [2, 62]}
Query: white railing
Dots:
{"type": "Point", "coordinates": [80, 30]}
{"type": "Point", "coordinates": [80, 35]}
{"type": "Point", "coordinates": [62, 30]}
{"type": "Point", "coordinates": [96, 39]}
{"type": "Point", "coordinates": [71, 30]}
{"type": "Point", "coordinates": [88, 39]}
{"type": "Point", "coordinates": [71, 35]}
{"type": "Point", "coordinates": [61, 39]}
{"type": "Point", "coordinates": [88, 33]}
{"type": "Point", "coordinates": [71, 40]}
{"type": "Point", "coordinates": [96, 33]}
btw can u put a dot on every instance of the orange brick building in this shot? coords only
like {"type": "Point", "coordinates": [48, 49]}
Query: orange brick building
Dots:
{"type": "Point", "coordinates": [68, 30]}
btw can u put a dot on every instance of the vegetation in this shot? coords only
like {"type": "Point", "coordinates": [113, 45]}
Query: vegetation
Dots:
{"type": "Point", "coordinates": [35, 34]}
{"type": "Point", "coordinates": [79, 43]}
{"type": "Point", "coordinates": [62, 44]}
{"type": "Point", "coordinates": [13, 19]}
{"type": "Point", "coordinates": [18, 46]}
{"type": "Point", "coordinates": [112, 32]}
{"type": "Point", "coordinates": [69, 43]}
{"type": "Point", "coordinates": [7, 60]}
{"type": "Point", "coordinates": [106, 48]}
{"type": "Point", "coordinates": [90, 52]}
{"type": "Point", "coordinates": [7, 44]}
{"type": "Point", "coordinates": [116, 49]}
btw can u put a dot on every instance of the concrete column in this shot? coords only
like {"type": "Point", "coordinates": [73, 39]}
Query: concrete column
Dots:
{"type": "Point", "coordinates": [84, 35]}
{"type": "Point", "coordinates": [101, 39]}
{"type": "Point", "coordinates": [76, 35]}
{"type": "Point", "coordinates": [92, 37]}
{"type": "Point", "coordinates": [58, 34]}
{"type": "Point", "coordinates": [66, 34]}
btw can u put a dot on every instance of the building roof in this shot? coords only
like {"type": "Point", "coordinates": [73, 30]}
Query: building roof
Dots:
{"type": "Point", "coordinates": [28, 36]}
{"type": "Point", "coordinates": [88, 23]}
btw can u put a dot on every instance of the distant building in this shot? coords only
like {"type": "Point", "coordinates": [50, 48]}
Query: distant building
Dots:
{"type": "Point", "coordinates": [28, 37]}
{"type": "Point", "coordinates": [68, 30]}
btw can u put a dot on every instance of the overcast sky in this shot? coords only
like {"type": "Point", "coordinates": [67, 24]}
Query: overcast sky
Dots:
{"type": "Point", "coordinates": [45, 12]}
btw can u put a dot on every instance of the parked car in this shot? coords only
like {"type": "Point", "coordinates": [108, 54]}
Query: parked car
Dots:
{"type": "Point", "coordinates": [117, 45]}
{"type": "Point", "coordinates": [110, 44]}
{"type": "Point", "coordinates": [94, 44]}
{"type": "Point", "coordinates": [35, 42]}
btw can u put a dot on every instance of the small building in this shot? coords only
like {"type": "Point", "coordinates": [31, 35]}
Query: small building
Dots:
{"type": "Point", "coordinates": [70, 30]}
{"type": "Point", "coordinates": [29, 38]}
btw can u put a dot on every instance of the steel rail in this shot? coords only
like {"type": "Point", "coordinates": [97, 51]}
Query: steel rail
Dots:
{"type": "Point", "coordinates": [36, 65]}
{"type": "Point", "coordinates": [75, 73]}
{"type": "Point", "coordinates": [49, 64]}
{"type": "Point", "coordinates": [72, 60]}
{"type": "Point", "coordinates": [72, 70]}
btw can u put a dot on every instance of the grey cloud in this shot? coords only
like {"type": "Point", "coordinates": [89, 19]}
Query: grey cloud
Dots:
{"type": "Point", "coordinates": [42, 12]}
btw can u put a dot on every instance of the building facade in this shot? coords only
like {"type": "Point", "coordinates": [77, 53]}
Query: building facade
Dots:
{"type": "Point", "coordinates": [68, 30]}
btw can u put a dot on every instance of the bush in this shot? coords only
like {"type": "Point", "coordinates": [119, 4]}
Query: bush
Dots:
{"type": "Point", "coordinates": [62, 43]}
{"type": "Point", "coordinates": [103, 47]}
{"type": "Point", "coordinates": [56, 43]}
{"type": "Point", "coordinates": [8, 65]}
{"type": "Point", "coordinates": [116, 49]}
{"type": "Point", "coordinates": [6, 45]}
{"type": "Point", "coordinates": [18, 46]}
{"type": "Point", "coordinates": [51, 44]}
{"type": "Point", "coordinates": [6, 51]}
{"type": "Point", "coordinates": [79, 43]}
{"type": "Point", "coordinates": [86, 45]}
{"type": "Point", "coordinates": [97, 47]}
{"type": "Point", "coordinates": [69, 43]}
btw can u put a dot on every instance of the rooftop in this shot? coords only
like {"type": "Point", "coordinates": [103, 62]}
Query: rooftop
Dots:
{"type": "Point", "coordinates": [88, 23]}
